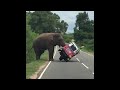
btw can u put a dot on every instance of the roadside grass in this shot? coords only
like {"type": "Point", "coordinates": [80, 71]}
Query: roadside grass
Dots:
{"type": "Point", "coordinates": [87, 50]}
{"type": "Point", "coordinates": [33, 66]}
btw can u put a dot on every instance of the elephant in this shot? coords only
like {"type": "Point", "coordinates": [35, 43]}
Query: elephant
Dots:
{"type": "Point", "coordinates": [47, 41]}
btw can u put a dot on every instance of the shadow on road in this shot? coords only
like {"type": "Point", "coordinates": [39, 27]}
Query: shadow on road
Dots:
{"type": "Point", "coordinates": [65, 61]}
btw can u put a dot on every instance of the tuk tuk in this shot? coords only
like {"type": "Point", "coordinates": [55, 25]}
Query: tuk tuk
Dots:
{"type": "Point", "coordinates": [68, 51]}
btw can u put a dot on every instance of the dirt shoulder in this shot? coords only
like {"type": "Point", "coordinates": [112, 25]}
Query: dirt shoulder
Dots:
{"type": "Point", "coordinates": [39, 71]}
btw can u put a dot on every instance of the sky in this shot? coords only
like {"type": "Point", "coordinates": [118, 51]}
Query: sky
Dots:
{"type": "Point", "coordinates": [70, 17]}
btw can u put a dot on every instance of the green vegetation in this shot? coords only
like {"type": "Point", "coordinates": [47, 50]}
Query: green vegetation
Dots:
{"type": "Point", "coordinates": [30, 36]}
{"type": "Point", "coordinates": [33, 66]}
{"type": "Point", "coordinates": [84, 31]}
{"type": "Point", "coordinates": [68, 37]}
{"type": "Point", "coordinates": [46, 21]}
{"type": "Point", "coordinates": [87, 50]}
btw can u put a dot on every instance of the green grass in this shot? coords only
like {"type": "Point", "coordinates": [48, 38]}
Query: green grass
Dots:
{"type": "Point", "coordinates": [33, 66]}
{"type": "Point", "coordinates": [87, 50]}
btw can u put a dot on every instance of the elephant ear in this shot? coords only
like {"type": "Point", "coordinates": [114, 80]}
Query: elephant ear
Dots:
{"type": "Point", "coordinates": [53, 39]}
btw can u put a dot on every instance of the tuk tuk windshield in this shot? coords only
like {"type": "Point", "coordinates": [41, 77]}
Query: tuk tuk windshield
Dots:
{"type": "Point", "coordinates": [73, 48]}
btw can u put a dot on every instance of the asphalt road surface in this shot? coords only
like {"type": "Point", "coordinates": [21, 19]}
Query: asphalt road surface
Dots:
{"type": "Point", "coordinates": [80, 66]}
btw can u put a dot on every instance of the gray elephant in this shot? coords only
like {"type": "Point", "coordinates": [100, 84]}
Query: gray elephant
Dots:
{"type": "Point", "coordinates": [47, 41]}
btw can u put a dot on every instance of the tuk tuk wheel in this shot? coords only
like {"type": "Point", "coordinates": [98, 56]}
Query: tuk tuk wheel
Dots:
{"type": "Point", "coordinates": [66, 60]}
{"type": "Point", "coordinates": [60, 58]}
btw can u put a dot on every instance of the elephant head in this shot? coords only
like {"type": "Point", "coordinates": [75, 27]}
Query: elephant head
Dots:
{"type": "Point", "coordinates": [58, 40]}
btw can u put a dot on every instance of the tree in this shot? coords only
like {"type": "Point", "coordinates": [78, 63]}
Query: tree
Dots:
{"type": "Point", "coordinates": [29, 39]}
{"type": "Point", "coordinates": [84, 30]}
{"type": "Point", "coordinates": [64, 26]}
{"type": "Point", "coordinates": [46, 21]}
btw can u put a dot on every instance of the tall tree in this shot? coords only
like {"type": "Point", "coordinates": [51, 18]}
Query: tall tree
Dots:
{"type": "Point", "coordinates": [84, 29]}
{"type": "Point", "coordinates": [46, 21]}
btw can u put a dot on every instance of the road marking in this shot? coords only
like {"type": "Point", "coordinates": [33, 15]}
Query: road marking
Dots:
{"type": "Point", "coordinates": [87, 53]}
{"type": "Point", "coordinates": [44, 70]}
{"type": "Point", "coordinates": [47, 65]}
{"type": "Point", "coordinates": [78, 59]}
{"type": "Point", "coordinates": [85, 65]}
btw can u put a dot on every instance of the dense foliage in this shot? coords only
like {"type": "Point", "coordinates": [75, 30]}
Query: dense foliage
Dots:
{"type": "Point", "coordinates": [84, 31]}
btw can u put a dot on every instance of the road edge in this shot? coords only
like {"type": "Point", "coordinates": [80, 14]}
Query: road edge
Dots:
{"type": "Point", "coordinates": [44, 69]}
{"type": "Point", "coordinates": [87, 53]}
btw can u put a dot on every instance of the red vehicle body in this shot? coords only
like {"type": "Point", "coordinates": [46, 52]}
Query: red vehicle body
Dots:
{"type": "Point", "coordinates": [68, 51]}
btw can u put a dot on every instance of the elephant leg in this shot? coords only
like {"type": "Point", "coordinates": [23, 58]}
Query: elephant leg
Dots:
{"type": "Point", "coordinates": [38, 53]}
{"type": "Point", "coordinates": [51, 51]}
{"type": "Point", "coordinates": [37, 56]}
{"type": "Point", "coordinates": [41, 52]}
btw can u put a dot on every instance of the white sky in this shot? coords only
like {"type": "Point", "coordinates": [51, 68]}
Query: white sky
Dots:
{"type": "Point", "coordinates": [70, 17]}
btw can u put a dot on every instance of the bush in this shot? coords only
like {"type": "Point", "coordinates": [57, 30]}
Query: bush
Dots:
{"type": "Point", "coordinates": [30, 55]}
{"type": "Point", "coordinates": [68, 37]}
{"type": "Point", "coordinates": [87, 43]}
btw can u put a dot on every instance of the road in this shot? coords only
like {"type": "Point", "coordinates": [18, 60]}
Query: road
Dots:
{"type": "Point", "coordinates": [79, 67]}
